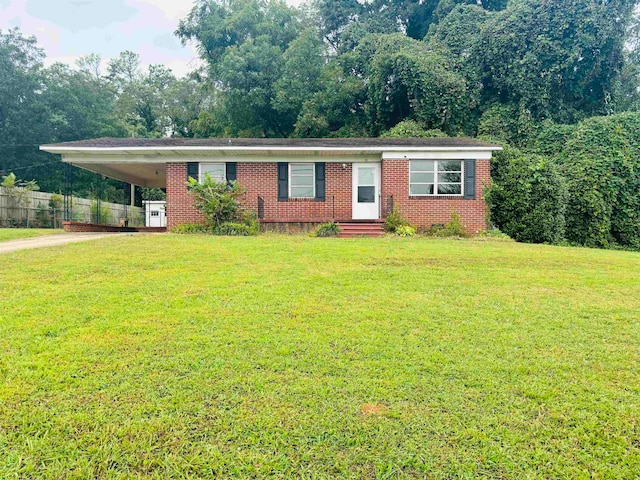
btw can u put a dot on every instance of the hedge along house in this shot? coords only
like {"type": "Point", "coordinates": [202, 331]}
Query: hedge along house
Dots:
{"type": "Point", "coordinates": [304, 182]}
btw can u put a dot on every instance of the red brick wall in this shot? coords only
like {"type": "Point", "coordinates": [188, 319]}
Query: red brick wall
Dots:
{"type": "Point", "coordinates": [261, 179]}
{"type": "Point", "coordinates": [423, 212]}
{"type": "Point", "coordinates": [180, 207]}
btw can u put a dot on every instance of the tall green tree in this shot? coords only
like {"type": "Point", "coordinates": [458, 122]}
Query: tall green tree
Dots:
{"type": "Point", "coordinates": [244, 44]}
{"type": "Point", "coordinates": [557, 58]}
{"type": "Point", "coordinates": [24, 115]}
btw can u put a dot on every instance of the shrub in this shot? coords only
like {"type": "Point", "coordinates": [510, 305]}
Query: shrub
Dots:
{"type": "Point", "coordinates": [528, 197]}
{"type": "Point", "coordinates": [233, 229]}
{"type": "Point", "coordinates": [495, 234]}
{"type": "Point", "coordinates": [103, 216]}
{"type": "Point", "coordinates": [191, 228]}
{"type": "Point", "coordinates": [330, 229]}
{"type": "Point", "coordinates": [394, 220]}
{"type": "Point", "coordinates": [602, 164]}
{"type": "Point", "coordinates": [452, 228]}
{"type": "Point", "coordinates": [405, 231]}
{"type": "Point", "coordinates": [220, 204]}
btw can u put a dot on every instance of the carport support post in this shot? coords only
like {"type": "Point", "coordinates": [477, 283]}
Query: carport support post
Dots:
{"type": "Point", "coordinates": [98, 195]}
{"type": "Point", "coordinates": [68, 193]}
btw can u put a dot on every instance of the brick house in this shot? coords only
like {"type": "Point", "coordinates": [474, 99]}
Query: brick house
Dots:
{"type": "Point", "coordinates": [302, 182]}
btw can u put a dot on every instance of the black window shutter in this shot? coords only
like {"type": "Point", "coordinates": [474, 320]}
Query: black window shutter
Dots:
{"type": "Point", "coordinates": [283, 181]}
{"type": "Point", "coordinates": [192, 170]}
{"type": "Point", "coordinates": [320, 182]}
{"type": "Point", "coordinates": [469, 179]}
{"type": "Point", "coordinates": [231, 171]}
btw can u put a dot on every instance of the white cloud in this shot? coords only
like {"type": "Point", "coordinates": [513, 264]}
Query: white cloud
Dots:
{"type": "Point", "coordinates": [174, 10]}
{"type": "Point", "coordinates": [69, 29]}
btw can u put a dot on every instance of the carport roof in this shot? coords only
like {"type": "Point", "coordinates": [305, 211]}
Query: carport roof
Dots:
{"type": "Point", "coordinates": [142, 161]}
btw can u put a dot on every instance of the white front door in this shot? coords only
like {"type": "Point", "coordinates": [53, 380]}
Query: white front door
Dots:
{"type": "Point", "coordinates": [366, 191]}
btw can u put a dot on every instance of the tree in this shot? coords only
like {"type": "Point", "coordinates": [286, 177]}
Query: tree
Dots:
{"type": "Point", "coordinates": [20, 192]}
{"type": "Point", "coordinates": [557, 58]}
{"type": "Point", "coordinates": [412, 129]}
{"type": "Point", "coordinates": [601, 161]}
{"type": "Point", "coordinates": [25, 117]}
{"type": "Point", "coordinates": [244, 45]}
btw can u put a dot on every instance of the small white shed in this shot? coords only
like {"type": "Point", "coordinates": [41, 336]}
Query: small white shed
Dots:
{"type": "Point", "coordinates": [155, 213]}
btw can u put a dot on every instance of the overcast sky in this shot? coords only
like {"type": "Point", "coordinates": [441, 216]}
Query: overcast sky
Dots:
{"type": "Point", "coordinates": [68, 29]}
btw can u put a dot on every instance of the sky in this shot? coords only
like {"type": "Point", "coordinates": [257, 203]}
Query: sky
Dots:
{"type": "Point", "coordinates": [69, 29]}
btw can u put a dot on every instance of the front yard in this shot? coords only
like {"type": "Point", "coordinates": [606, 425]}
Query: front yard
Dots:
{"type": "Point", "coordinates": [186, 356]}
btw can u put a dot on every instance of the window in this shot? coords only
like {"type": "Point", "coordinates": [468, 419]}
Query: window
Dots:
{"type": "Point", "coordinates": [216, 170]}
{"type": "Point", "coordinates": [155, 213]}
{"type": "Point", "coordinates": [302, 181]}
{"type": "Point", "coordinates": [435, 177]}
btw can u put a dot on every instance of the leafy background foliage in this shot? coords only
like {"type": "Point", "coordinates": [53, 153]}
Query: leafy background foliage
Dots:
{"type": "Point", "coordinates": [557, 80]}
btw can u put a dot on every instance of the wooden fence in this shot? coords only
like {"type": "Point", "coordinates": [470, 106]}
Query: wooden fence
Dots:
{"type": "Point", "coordinates": [45, 210]}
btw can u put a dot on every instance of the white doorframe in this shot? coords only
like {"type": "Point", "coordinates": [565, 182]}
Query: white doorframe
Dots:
{"type": "Point", "coordinates": [366, 191]}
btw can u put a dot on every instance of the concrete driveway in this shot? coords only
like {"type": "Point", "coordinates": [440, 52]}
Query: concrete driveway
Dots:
{"type": "Point", "coordinates": [51, 240]}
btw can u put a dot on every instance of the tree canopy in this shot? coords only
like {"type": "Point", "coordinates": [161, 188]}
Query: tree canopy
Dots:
{"type": "Point", "coordinates": [529, 73]}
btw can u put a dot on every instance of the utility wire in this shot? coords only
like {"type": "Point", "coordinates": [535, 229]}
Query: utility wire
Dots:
{"type": "Point", "coordinates": [9, 145]}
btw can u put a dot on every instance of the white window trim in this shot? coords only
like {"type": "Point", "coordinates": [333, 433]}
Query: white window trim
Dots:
{"type": "Point", "coordinates": [435, 180]}
{"type": "Point", "coordinates": [313, 184]}
{"type": "Point", "coordinates": [201, 175]}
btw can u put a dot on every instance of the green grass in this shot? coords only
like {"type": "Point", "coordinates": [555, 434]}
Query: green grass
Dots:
{"type": "Point", "coordinates": [186, 356]}
{"type": "Point", "coordinates": [20, 233]}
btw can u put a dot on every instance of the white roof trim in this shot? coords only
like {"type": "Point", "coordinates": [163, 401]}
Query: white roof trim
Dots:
{"type": "Point", "coordinates": [270, 148]}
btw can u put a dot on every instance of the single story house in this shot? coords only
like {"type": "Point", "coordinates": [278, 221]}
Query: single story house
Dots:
{"type": "Point", "coordinates": [306, 181]}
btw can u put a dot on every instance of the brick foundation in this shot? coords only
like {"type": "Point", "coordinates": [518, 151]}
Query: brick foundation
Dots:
{"type": "Point", "coordinates": [261, 180]}
{"type": "Point", "coordinates": [80, 227]}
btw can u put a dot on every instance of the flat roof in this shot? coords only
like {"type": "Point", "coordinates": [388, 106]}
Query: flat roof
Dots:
{"type": "Point", "coordinates": [306, 143]}
{"type": "Point", "coordinates": [143, 161]}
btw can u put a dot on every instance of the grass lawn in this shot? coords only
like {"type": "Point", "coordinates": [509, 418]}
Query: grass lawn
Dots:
{"type": "Point", "coordinates": [19, 233]}
{"type": "Point", "coordinates": [185, 356]}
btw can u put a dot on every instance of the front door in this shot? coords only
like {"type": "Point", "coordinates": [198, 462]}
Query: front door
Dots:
{"type": "Point", "coordinates": [366, 191]}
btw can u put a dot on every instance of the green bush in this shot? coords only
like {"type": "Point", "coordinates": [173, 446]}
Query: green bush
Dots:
{"type": "Point", "coordinates": [601, 162]}
{"type": "Point", "coordinates": [527, 197]}
{"type": "Point", "coordinates": [191, 228]}
{"type": "Point", "coordinates": [495, 234]}
{"type": "Point", "coordinates": [234, 229]}
{"type": "Point", "coordinates": [405, 231]}
{"type": "Point", "coordinates": [220, 204]}
{"type": "Point", "coordinates": [394, 220]}
{"type": "Point", "coordinates": [330, 229]}
{"type": "Point", "coordinates": [453, 228]}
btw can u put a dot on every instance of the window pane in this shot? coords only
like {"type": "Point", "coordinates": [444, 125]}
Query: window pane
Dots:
{"type": "Point", "coordinates": [450, 165]}
{"type": "Point", "coordinates": [215, 170]}
{"type": "Point", "coordinates": [302, 192]}
{"type": "Point", "coordinates": [450, 189]}
{"type": "Point", "coordinates": [366, 176]}
{"type": "Point", "coordinates": [449, 177]}
{"type": "Point", "coordinates": [300, 181]}
{"type": "Point", "coordinates": [366, 194]}
{"type": "Point", "coordinates": [422, 165]}
{"type": "Point", "coordinates": [422, 178]}
{"type": "Point", "coordinates": [301, 169]}
{"type": "Point", "coordinates": [418, 189]}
